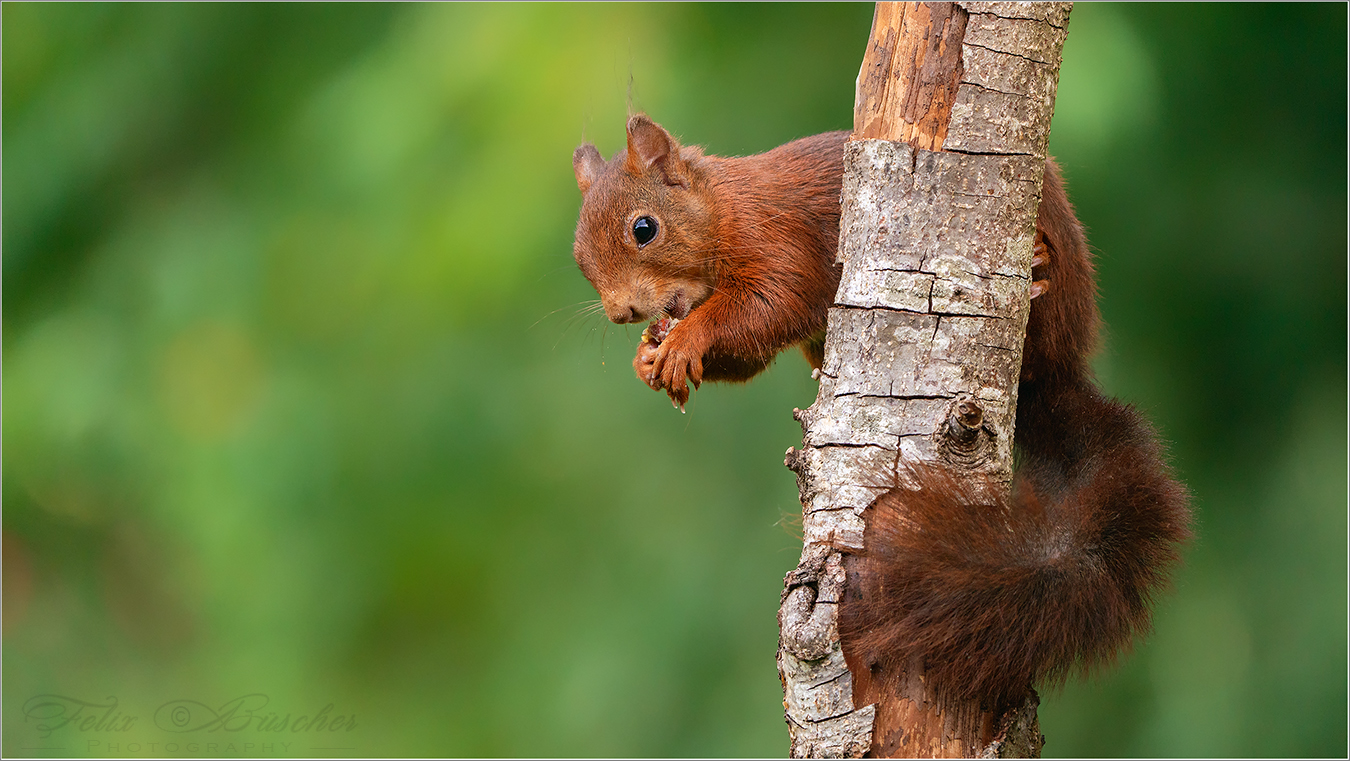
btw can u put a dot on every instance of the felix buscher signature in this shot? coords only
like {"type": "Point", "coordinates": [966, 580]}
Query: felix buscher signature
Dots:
{"type": "Point", "coordinates": [51, 713]}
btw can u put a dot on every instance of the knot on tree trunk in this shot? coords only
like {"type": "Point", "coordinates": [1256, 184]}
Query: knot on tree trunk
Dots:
{"type": "Point", "coordinates": [965, 440]}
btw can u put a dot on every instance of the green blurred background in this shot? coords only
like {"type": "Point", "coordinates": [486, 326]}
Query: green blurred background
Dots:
{"type": "Point", "coordinates": [297, 401]}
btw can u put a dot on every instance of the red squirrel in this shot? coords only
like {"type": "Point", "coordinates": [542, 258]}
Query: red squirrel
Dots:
{"type": "Point", "coordinates": [734, 259]}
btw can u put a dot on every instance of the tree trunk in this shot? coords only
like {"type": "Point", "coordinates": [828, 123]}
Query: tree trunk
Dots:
{"type": "Point", "coordinates": [942, 181]}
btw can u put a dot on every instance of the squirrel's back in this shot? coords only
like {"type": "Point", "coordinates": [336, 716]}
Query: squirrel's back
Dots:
{"type": "Point", "coordinates": [777, 231]}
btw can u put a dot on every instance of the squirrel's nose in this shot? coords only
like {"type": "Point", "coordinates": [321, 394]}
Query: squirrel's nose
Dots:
{"type": "Point", "coordinates": [624, 314]}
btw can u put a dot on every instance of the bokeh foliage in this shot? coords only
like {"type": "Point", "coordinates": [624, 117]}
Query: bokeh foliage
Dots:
{"type": "Point", "coordinates": [296, 401]}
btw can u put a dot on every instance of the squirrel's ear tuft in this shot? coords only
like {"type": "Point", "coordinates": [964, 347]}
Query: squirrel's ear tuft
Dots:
{"type": "Point", "coordinates": [586, 162]}
{"type": "Point", "coordinates": [651, 146]}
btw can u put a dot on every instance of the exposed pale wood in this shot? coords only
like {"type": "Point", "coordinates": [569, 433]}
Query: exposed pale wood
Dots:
{"type": "Point", "coordinates": [923, 347]}
{"type": "Point", "coordinates": [910, 73]}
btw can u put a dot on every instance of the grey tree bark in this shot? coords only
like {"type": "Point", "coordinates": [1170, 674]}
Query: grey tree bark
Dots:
{"type": "Point", "coordinates": [942, 182]}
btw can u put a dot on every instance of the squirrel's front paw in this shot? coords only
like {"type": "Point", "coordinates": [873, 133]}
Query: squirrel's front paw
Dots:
{"type": "Point", "coordinates": [677, 358]}
{"type": "Point", "coordinates": [644, 363]}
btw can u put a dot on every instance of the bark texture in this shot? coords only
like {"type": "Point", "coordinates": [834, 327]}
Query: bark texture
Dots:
{"type": "Point", "coordinates": [924, 342]}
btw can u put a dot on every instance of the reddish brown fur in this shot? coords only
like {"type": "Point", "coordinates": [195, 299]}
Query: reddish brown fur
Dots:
{"type": "Point", "coordinates": [1062, 327]}
{"type": "Point", "coordinates": [992, 592]}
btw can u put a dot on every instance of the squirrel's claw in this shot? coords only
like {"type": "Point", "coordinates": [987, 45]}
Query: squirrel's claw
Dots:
{"type": "Point", "coordinates": [1040, 256]}
{"type": "Point", "coordinates": [1040, 253]}
{"type": "Point", "coordinates": [679, 394]}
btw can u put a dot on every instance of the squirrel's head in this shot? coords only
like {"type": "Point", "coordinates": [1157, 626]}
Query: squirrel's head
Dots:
{"type": "Point", "coordinates": [645, 237]}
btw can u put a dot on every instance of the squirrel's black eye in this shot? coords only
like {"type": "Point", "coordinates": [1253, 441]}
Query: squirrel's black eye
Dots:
{"type": "Point", "coordinates": [644, 229]}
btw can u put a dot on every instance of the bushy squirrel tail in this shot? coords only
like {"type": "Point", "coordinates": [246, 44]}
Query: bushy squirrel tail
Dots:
{"type": "Point", "coordinates": [992, 592]}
